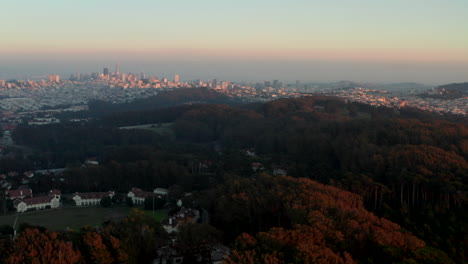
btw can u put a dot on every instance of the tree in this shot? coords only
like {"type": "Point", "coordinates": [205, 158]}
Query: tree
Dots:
{"type": "Point", "coordinates": [6, 230]}
{"type": "Point", "coordinates": [102, 248]}
{"type": "Point", "coordinates": [129, 201]}
{"type": "Point", "coordinates": [42, 247]}
{"type": "Point", "coordinates": [106, 202]}
{"type": "Point", "coordinates": [155, 203]}
{"type": "Point", "coordinates": [303, 221]}
{"type": "Point", "coordinates": [191, 235]}
{"type": "Point", "coordinates": [139, 235]}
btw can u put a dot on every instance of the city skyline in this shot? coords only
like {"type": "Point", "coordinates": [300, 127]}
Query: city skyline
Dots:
{"type": "Point", "coordinates": [365, 40]}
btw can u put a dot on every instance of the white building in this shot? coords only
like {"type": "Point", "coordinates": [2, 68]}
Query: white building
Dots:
{"type": "Point", "coordinates": [138, 196]}
{"type": "Point", "coordinates": [94, 198]}
{"type": "Point", "coordinates": [37, 203]}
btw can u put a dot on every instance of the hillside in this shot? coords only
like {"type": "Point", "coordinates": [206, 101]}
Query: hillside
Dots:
{"type": "Point", "coordinates": [450, 91]}
{"type": "Point", "coordinates": [287, 220]}
{"type": "Point", "coordinates": [407, 166]}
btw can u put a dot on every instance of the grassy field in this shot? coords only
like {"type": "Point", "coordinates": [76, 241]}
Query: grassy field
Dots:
{"type": "Point", "coordinates": [73, 217]}
{"type": "Point", "coordinates": [162, 128]}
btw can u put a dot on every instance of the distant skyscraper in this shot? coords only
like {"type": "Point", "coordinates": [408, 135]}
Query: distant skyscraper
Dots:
{"type": "Point", "coordinates": [215, 83]}
{"type": "Point", "coordinates": [275, 84]}
{"type": "Point", "coordinates": [54, 78]}
{"type": "Point", "coordinates": [142, 75]}
{"type": "Point", "coordinates": [2, 83]}
{"type": "Point", "coordinates": [106, 71]}
{"type": "Point", "coordinates": [123, 77]}
{"type": "Point", "coordinates": [117, 68]}
{"type": "Point", "coordinates": [176, 78]}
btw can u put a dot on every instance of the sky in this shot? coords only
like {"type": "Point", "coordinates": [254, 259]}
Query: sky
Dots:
{"type": "Point", "coordinates": [362, 40]}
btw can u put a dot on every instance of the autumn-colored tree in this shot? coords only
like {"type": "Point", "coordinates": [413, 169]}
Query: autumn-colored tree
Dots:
{"type": "Point", "coordinates": [98, 251]}
{"type": "Point", "coordinates": [323, 224]}
{"type": "Point", "coordinates": [102, 248]}
{"type": "Point", "coordinates": [37, 247]}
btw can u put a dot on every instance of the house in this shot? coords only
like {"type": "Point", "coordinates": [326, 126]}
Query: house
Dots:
{"type": "Point", "coordinates": [91, 161]}
{"type": "Point", "coordinates": [279, 172]}
{"type": "Point", "coordinates": [19, 194]}
{"type": "Point", "coordinates": [168, 255]}
{"type": "Point", "coordinates": [138, 196]}
{"type": "Point", "coordinates": [185, 215]}
{"type": "Point", "coordinates": [257, 166]}
{"type": "Point", "coordinates": [29, 174]}
{"type": "Point", "coordinates": [172, 254]}
{"type": "Point", "coordinates": [93, 198]}
{"type": "Point", "coordinates": [55, 192]}
{"type": "Point", "coordinates": [161, 191]}
{"type": "Point", "coordinates": [37, 203]}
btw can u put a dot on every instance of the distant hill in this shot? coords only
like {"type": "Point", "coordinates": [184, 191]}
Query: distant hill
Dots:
{"type": "Point", "coordinates": [165, 99]}
{"type": "Point", "coordinates": [449, 91]}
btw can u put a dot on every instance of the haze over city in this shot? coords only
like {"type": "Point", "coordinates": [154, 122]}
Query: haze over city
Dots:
{"type": "Point", "coordinates": [375, 41]}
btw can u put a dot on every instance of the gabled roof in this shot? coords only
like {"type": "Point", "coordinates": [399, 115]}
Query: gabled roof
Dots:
{"type": "Point", "coordinates": [19, 193]}
{"type": "Point", "coordinates": [93, 195]}
{"type": "Point", "coordinates": [35, 200]}
{"type": "Point", "coordinates": [142, 194]}
{"type": "Point", "coordinates": [55, 192]}
{"type": "Point", "coordinates": [134, 190]}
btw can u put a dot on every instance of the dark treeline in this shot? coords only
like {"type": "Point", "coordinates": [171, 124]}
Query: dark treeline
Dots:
{"type": "Point", "coordinates": [164, 99]}
{"type": "Point", "coordinates": [409, 166]}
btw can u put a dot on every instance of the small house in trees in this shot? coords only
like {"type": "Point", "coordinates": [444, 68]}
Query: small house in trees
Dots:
{"type": "Point", "coordinates": [185, 215]}
{"type": "Point", "coordinates": [19, 194]}
{"type": "Point", "coordinates": [161, 191]}
{"type": "Point", "coordinates": [37, 203]}
{"type": "Point", "coordinates": [138, 196]}
{"type": "Point", "coordinates": [92, 161]}
{"type": "Point", "coordinates": [92, 198]}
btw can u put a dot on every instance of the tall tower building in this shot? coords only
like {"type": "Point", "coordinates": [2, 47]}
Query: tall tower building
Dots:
{"type": "Point", "coordinates": [105, 71]}
{"type": "Point", "coordinates": [54, 78]}
{"type": "Point", "coordinates": [275, 84]}
{"type": "Point", "coordinates": [117, 68]}
{"type": "Point", "coordinates": [176, 78]}
{"type": "Point", "coordinates": [215, 83]}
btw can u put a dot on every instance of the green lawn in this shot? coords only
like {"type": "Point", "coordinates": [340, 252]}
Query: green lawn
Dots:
{"type": "Point", "coordinates": [158, 214]}
{"type": "Point", "coordinates": [73, 217]}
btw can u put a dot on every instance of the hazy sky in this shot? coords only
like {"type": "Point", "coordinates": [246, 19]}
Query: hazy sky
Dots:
{"type": "Point", "coordinates": [364, 40]}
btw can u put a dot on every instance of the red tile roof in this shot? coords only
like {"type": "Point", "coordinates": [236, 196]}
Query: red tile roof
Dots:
{"type": "Point", "coordinates": [140, 193]}
{"type": "Point", "coordinates": [55, 191]}
{"type": "Point", "coordinates": [19, 193]}
{"type": "Point", "coordinates": [38, 200]}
